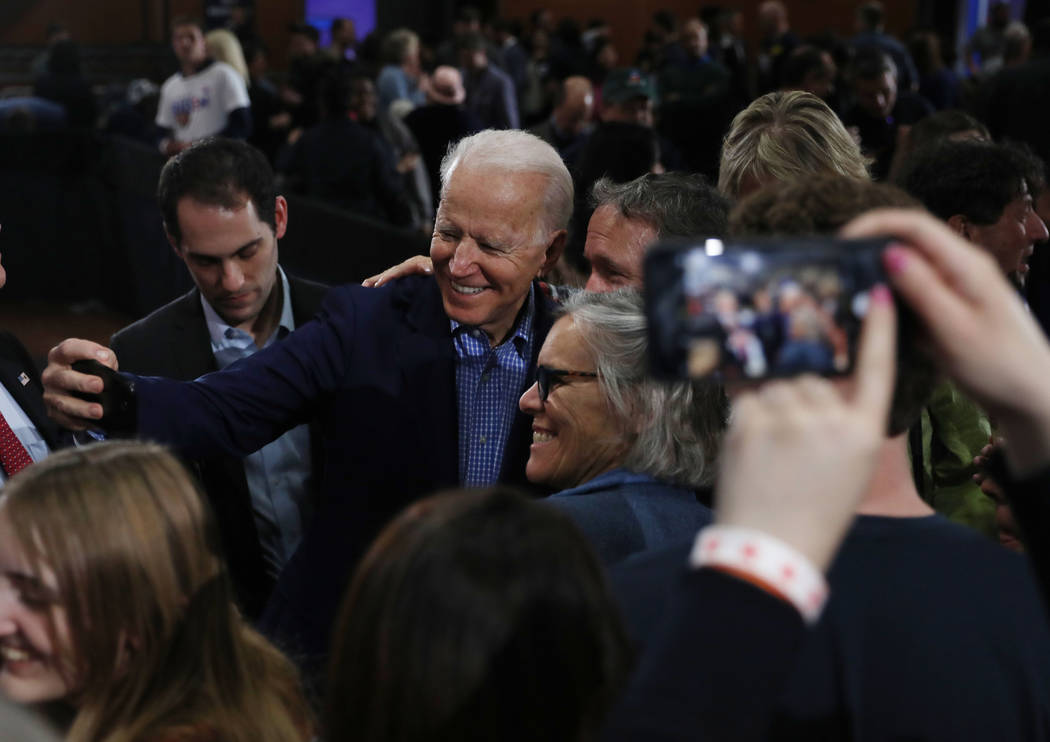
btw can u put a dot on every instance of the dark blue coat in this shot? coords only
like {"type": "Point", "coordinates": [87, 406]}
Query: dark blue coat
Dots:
{"type": "Point", "coordinates": [376, 369]}
{"type": "Point", "coordinates": [622, 513]}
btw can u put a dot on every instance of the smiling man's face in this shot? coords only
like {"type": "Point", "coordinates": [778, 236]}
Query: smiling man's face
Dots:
{"type": "Point", "coordinates": [489, 243]}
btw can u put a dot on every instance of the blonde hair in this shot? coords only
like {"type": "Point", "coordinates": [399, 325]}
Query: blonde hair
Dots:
{"type": "Point", "coordinates": [785, 135]}
{"type": "Point", "coordinates": [157, 647]}
{"type": "Point", "coordinates": [223, 46]}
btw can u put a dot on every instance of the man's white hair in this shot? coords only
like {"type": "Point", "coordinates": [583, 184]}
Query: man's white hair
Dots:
{"type": "Point", "coordinates": [515, 151]}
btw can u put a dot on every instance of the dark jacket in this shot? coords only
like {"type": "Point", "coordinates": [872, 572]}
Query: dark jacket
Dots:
{"type": "Point", "coordinates": [19, 375]}
{"type": "Point", "coordinates": [622, 513]}
{"type": "Point", "coordinates": [377, 371]}
{"type": "Point", "coordinates": [173, 342]}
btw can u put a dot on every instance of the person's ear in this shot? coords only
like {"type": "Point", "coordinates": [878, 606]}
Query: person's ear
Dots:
{"type": "Point", "coordinates": [553, 252]}
{"type": "Point", "coordinates": [172, 242]}
{"type": "Point", "coordinates": [280, 217]}
{"type": "Point", "coordinates": [960, 225]}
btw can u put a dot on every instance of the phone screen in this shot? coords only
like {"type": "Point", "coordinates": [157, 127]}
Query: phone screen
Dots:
{"type": "Point", "coordinates": [754, 310]}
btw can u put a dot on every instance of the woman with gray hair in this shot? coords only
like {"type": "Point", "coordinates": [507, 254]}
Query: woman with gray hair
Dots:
{"type": "Point", "coordinates": [627, 452]}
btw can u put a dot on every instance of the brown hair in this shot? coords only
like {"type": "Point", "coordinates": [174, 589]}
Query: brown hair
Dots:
{"type": "Point", "coordinates": [476, 615]}
{"type": "Point", "coordinates": [157, 647]}
{"type": "Point", "coordinates": [821, 205]}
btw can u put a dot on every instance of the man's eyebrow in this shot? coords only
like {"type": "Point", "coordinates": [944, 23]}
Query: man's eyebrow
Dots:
{"type": "Point", "coordinates": [242, 248]}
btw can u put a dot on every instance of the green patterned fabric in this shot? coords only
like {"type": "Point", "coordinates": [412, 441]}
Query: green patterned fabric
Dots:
{"type": "Point", "coordinates": [954, 430]}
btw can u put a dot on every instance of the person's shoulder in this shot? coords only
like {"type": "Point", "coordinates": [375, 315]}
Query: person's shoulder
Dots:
{"type": "Point", "coordinates": [160, 317]}
{"type": "Point", "coordinates": [404, 291]}
{"type": "Point", "coordinates": [171, 82]}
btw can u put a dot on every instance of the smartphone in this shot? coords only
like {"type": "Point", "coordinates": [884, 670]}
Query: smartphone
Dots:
{"type": "Point", "coordinates": [758, 309]}
{"type": "Point", "coordinates": [117, 397]}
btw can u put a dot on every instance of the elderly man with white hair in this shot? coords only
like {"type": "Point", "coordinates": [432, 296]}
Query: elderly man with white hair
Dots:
{"type": "Point", "coordinates": [414, 386]}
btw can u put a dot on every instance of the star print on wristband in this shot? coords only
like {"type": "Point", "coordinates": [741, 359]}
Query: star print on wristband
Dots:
{"type": "Point", "coordinates": [766, 562]}
{"type": "Point", "coordinates": [13, 455]}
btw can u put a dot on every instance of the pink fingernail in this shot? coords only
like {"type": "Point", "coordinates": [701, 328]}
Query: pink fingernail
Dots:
{"type": "Point", "coordinates": [895, 258]}
{"type": "Point", "coordinates": [881, 295]}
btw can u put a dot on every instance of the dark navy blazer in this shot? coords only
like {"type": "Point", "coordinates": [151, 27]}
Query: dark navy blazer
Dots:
{"type": "Point", "coordinates": [623, 512]}
{"type": "Point", "coordinates": [376, 369]}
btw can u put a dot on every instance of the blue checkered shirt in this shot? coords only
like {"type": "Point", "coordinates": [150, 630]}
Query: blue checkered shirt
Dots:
{"type": "Point", "coordinates": [489, 382]}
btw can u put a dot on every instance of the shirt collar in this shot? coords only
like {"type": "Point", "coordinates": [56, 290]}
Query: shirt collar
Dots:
{"type": "Point", "coordinates": [217, 328]}
{"type": "Point", "coordinates": [522, 332]}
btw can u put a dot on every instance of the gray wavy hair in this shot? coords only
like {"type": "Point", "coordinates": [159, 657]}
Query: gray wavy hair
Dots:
{"type": "Point", "coordinates": [675, 427]}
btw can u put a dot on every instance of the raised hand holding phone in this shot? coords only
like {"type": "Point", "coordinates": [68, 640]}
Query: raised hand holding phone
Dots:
{"type": "Point", "coordinates": [817, 440]}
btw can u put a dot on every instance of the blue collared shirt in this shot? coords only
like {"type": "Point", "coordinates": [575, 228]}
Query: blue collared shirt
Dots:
{"type": "Point", "coordinates": [279, 473]}
{"type": "Point", "coordinates": [489, 382]}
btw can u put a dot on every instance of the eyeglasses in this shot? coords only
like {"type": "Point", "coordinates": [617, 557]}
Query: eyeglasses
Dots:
{"type": "Point", "coordinates": [546, 375]}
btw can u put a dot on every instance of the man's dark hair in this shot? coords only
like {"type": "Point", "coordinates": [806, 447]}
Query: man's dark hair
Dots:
{"type": "Point", "coordinates": [675, 204]}
{"type": "Point", "coordinates": [802, 61]}
{"type": "Point", "coordinates": [975, 179]}
{"type": "Point", "coordinates": [216, 172]}
{"type": "Point", "coordinates": [305, 29]}
{"type": "Point", "coordinates": [468, 14]}
{"type": "Point", "coordinates": [872, 15]}
{"type": "Point", "coordinates": [821, 205]}
{"type": "Point", "coordinates": [665, 20]}
{"type": "Point", "coordinates": [942, 125]}
{"type": "Point", "coordinates": [338, 23]}
{"type": "Point", "coordinates": [870, 63]}
{"type": "Point", "coordinates": [187, 20]}
{"type": "Point", "coordinates": [471, 42]}
{"type": "Point", "coordinates": [336, 88]}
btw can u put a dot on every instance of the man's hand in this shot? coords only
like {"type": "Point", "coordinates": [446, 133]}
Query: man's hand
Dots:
{"type": "Point", "coordinates": [815, 444]}
{"type": "Point", "coordinates": [417, 264]}
{"type": "Point", "coordinates": [983, 336]}
{"type": "Point", "coordinates": [60, 381]}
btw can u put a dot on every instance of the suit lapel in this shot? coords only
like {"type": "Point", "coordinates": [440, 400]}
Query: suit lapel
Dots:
{"type": "Point", "coordinates": [428, 373]}
{"type": "Point", "coordinates": [29, 397]}
{"type": "Point", "coordinates": [190, 338]}
{"type": "Point", "coordinates": [516, 453]}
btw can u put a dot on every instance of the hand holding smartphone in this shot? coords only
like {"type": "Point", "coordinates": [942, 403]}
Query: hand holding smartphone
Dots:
{"type": "Point", "coordinates": [117, 397]}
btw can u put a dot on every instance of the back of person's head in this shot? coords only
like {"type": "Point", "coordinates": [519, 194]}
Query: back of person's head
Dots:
{"type": "Point", "coordinates": [217, 172]}
{"type": "Point", "coordinates": [476, 615]}
{"type": "Point", "coordinates": [944, 125]}
{"type": "Point", "coordinates": [871, 63]}
{"type": "Point", "coordinates": [674, 428]}
{"type": "Point", "coordinates": [516, 151]}
{"type": "Point", "coordinates": [871, 16]}
{"type": "Point", "coordinates": [675, 204]}
{"type": "Point", "coordinates": [223, 46]}
{"type": "Point", "coordinates": [64, 58]}
{"type": "Point", "coordinates": [618, 150]}
{"type": "Point", "coordinates": [820, 206]}
{"type": "Point", "coordinates": [925, 49]}
{"type": "Point", "coordinates": [802, 63]}
{"type": "Point", "coordinates": [782, 136]}
{"type": "Point", "coordinates": [1017, 43]}
{"type": "Point", "coordinates": [336, 93]}
{"type": "Point", "coordinates": [398, 45]}
{"type": "Point", "coordinates": [973, 178]}
{"type": "Point", "coordinates": [155, 642]}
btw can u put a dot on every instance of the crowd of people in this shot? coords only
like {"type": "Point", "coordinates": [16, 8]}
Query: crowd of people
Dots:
{"type": "Point", "coordinates": [456, 503]}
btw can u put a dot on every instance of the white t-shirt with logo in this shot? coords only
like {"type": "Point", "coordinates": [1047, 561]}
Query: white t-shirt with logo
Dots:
{"type": "Point", "coordinates": [195, 107]}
